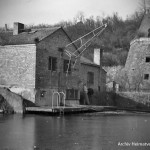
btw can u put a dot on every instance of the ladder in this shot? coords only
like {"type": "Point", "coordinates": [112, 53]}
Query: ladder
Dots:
{"type": "Point", "coordinates": [58, 99]}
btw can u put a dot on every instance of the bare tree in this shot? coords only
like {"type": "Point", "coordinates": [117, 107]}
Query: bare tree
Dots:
{"type": "Point", "coordinates": [122, 78]}
{"type": "Point", "coordinates": [137, 79]}
{"type": "Point", "coordinates": [79, 17]}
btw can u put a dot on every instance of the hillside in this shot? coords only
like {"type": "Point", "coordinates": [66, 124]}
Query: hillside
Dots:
{"type": "Point", "coordinates": [115, 39]}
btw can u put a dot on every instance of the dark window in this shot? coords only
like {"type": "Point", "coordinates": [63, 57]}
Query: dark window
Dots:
{"type": "Point", "coordinates": [90, 78]}
{"type": "Point", "coordinates": [52, 65]}
{"type": "Point", "coordinates": [66, 64]}
{"type": "Point", "coordinates": [99, 88]}
{"type": "Point", "coordinates": [146, 76]}
{"type": "Point", "coordinates": [149, 32]}
{"type": "Point", "coordinates": [71, 94]}
{"type": "Point", "coordinates": [147, 59]}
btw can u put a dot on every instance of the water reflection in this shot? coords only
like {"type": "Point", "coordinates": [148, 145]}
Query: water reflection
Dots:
{"type": "Point", "coordinates": [17, 132]}
{"type": "Point", "coordinates": [80, 132]}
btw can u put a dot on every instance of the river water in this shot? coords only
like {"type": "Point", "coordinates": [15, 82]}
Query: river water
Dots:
{"type": "Point", "coordinates": [94, 131]}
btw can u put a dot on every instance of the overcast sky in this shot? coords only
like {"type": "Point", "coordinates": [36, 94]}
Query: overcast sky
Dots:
{"type": "Point", "coordinates": [54, 11]}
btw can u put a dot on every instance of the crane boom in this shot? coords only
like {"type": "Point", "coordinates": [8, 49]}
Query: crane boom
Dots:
{"type": "Point", "coordinates": [85, 41]}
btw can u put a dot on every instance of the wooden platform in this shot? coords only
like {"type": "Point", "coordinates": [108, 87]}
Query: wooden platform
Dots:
{"type": "Point", "coordinates": [67, 109]}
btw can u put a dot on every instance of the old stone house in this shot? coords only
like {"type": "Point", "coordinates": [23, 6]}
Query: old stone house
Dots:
{"type": "Point", "coordinates": [138, 61]}
{"type": "Point", "coordinates": [92, 75]}
{"type": "Point", "coordinates": [33, 63]}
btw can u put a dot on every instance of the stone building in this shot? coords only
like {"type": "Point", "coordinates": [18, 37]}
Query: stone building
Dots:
{"type": "Point", "coordinates": [34, 65]}
{"type": "Point", "coordinates": [92, 73]}
{"type": "Point", "coordinates": [138, 61]}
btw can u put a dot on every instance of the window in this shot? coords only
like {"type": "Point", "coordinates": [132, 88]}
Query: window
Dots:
{"type": "Point", "coordinates": [66, 63]}
{"type": "Point", "coordinates": [147, 59]}
{"type": "Point", "coordinates": [90, 78]}
{"type": "Point", "coordinates": [52, 65]}
{"type": "Point", "coordinates": [71, 94]}
{"type": "Point", "coordinates": [146, 76]}
{"type": "Point", "coordinates": [99, 88]}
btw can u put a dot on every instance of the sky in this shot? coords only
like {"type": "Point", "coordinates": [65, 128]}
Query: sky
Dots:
{"type": "Point", "coordinates": [53, 11]}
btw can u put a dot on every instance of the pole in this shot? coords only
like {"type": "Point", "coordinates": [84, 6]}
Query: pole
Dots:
{"type": "Point", "coordinates": [100, 69]}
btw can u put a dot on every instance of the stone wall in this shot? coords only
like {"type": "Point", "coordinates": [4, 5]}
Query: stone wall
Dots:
{"type": "Point", "coordinates": [139, 97]}
{"type": "Point", "coordinates": [135, 100]}
{"type": "Point", "coordinates": [136, 65]}
{"type": "Point", "coordinates": [17, 69]}
{"type": "Point", "coordinates": [17, 65]}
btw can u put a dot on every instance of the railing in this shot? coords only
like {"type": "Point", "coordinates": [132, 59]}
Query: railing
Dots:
{"type": "Point", "coordinates": [58, 98]}
{"type": "Point", "coordinates": [64, 96]}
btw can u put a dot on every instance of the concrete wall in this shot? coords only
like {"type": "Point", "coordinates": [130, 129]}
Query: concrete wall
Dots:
{"type": "Point", "coordinates": [48, 81]}
{"type": "Point", "coordinates": [136, 66]}
{"type": "Point", "coordinates": [139, 97]}
{"type": "Point", "coordinates": [17, 68]}
{"type": "Point", "coordinates": [135, 100]}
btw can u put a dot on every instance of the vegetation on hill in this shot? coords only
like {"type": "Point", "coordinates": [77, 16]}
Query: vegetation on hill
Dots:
{"type": "Point", "coordinates": [115, 39]}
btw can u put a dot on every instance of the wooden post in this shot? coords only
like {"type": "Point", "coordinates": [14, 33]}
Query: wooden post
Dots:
{"type": "Point", "coordinates": [100, 68]}
{"type": "Point", "coordinates": [60, 71]}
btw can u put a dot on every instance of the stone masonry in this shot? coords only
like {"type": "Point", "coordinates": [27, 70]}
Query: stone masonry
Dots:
{"type": "Point", "coordinates": [137, 65]}
{"type": "Point", "coordinates": [17, 68]}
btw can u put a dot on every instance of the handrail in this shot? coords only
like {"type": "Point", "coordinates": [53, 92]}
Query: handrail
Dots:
{"type": "Point", "coordinates": [58, 98]}
{"type": "Point", "coordinates": [64, 97]}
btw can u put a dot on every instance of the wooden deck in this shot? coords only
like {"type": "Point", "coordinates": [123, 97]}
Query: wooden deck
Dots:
{"type": "Point", "coordinates": [67, 109]}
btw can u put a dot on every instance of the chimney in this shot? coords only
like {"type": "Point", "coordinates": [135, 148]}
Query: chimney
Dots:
{"type": "Point", "coordinates": [18, 28]}
{"type": "Point", "coordinates": [6, 28]}
{"type": "Point", "coordinates": [98, 56]}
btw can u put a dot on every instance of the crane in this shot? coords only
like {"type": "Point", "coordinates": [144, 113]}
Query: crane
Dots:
{"type": "Point", "coordinates": [84, 41]}
{"type": "Point", "coordinates": [83, 44]}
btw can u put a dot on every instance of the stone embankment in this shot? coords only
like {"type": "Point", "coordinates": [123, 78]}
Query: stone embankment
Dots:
{"type": "Point", "coordinates": [10, 102]}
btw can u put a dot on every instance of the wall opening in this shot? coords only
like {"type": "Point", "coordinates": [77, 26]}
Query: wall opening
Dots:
{"type": "Point", "coordinates": [146, 76]}
{"type": "Point", "coordinates": [149, 32]}
{"type": "Point", "coordinates": [90, 78]}
{"type": "Point", "coordinates": [147, 59]}
{"type": "Point", "coordinates": [52, 64]}
{"type": "Point", "coordinates": [71, 94]}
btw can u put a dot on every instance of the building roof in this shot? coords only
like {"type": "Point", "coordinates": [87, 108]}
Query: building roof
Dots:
{"type": "Point", "coordinates": [30, 37]}
{"type": "Point", "coordinates": [89, 62]}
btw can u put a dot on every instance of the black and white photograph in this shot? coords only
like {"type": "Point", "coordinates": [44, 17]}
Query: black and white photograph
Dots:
{"type": "Point", "coordinates": [74, 74]}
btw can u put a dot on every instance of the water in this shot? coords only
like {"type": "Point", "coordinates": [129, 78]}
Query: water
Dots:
{"type": "Point", "coordinates": [76, 132]}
